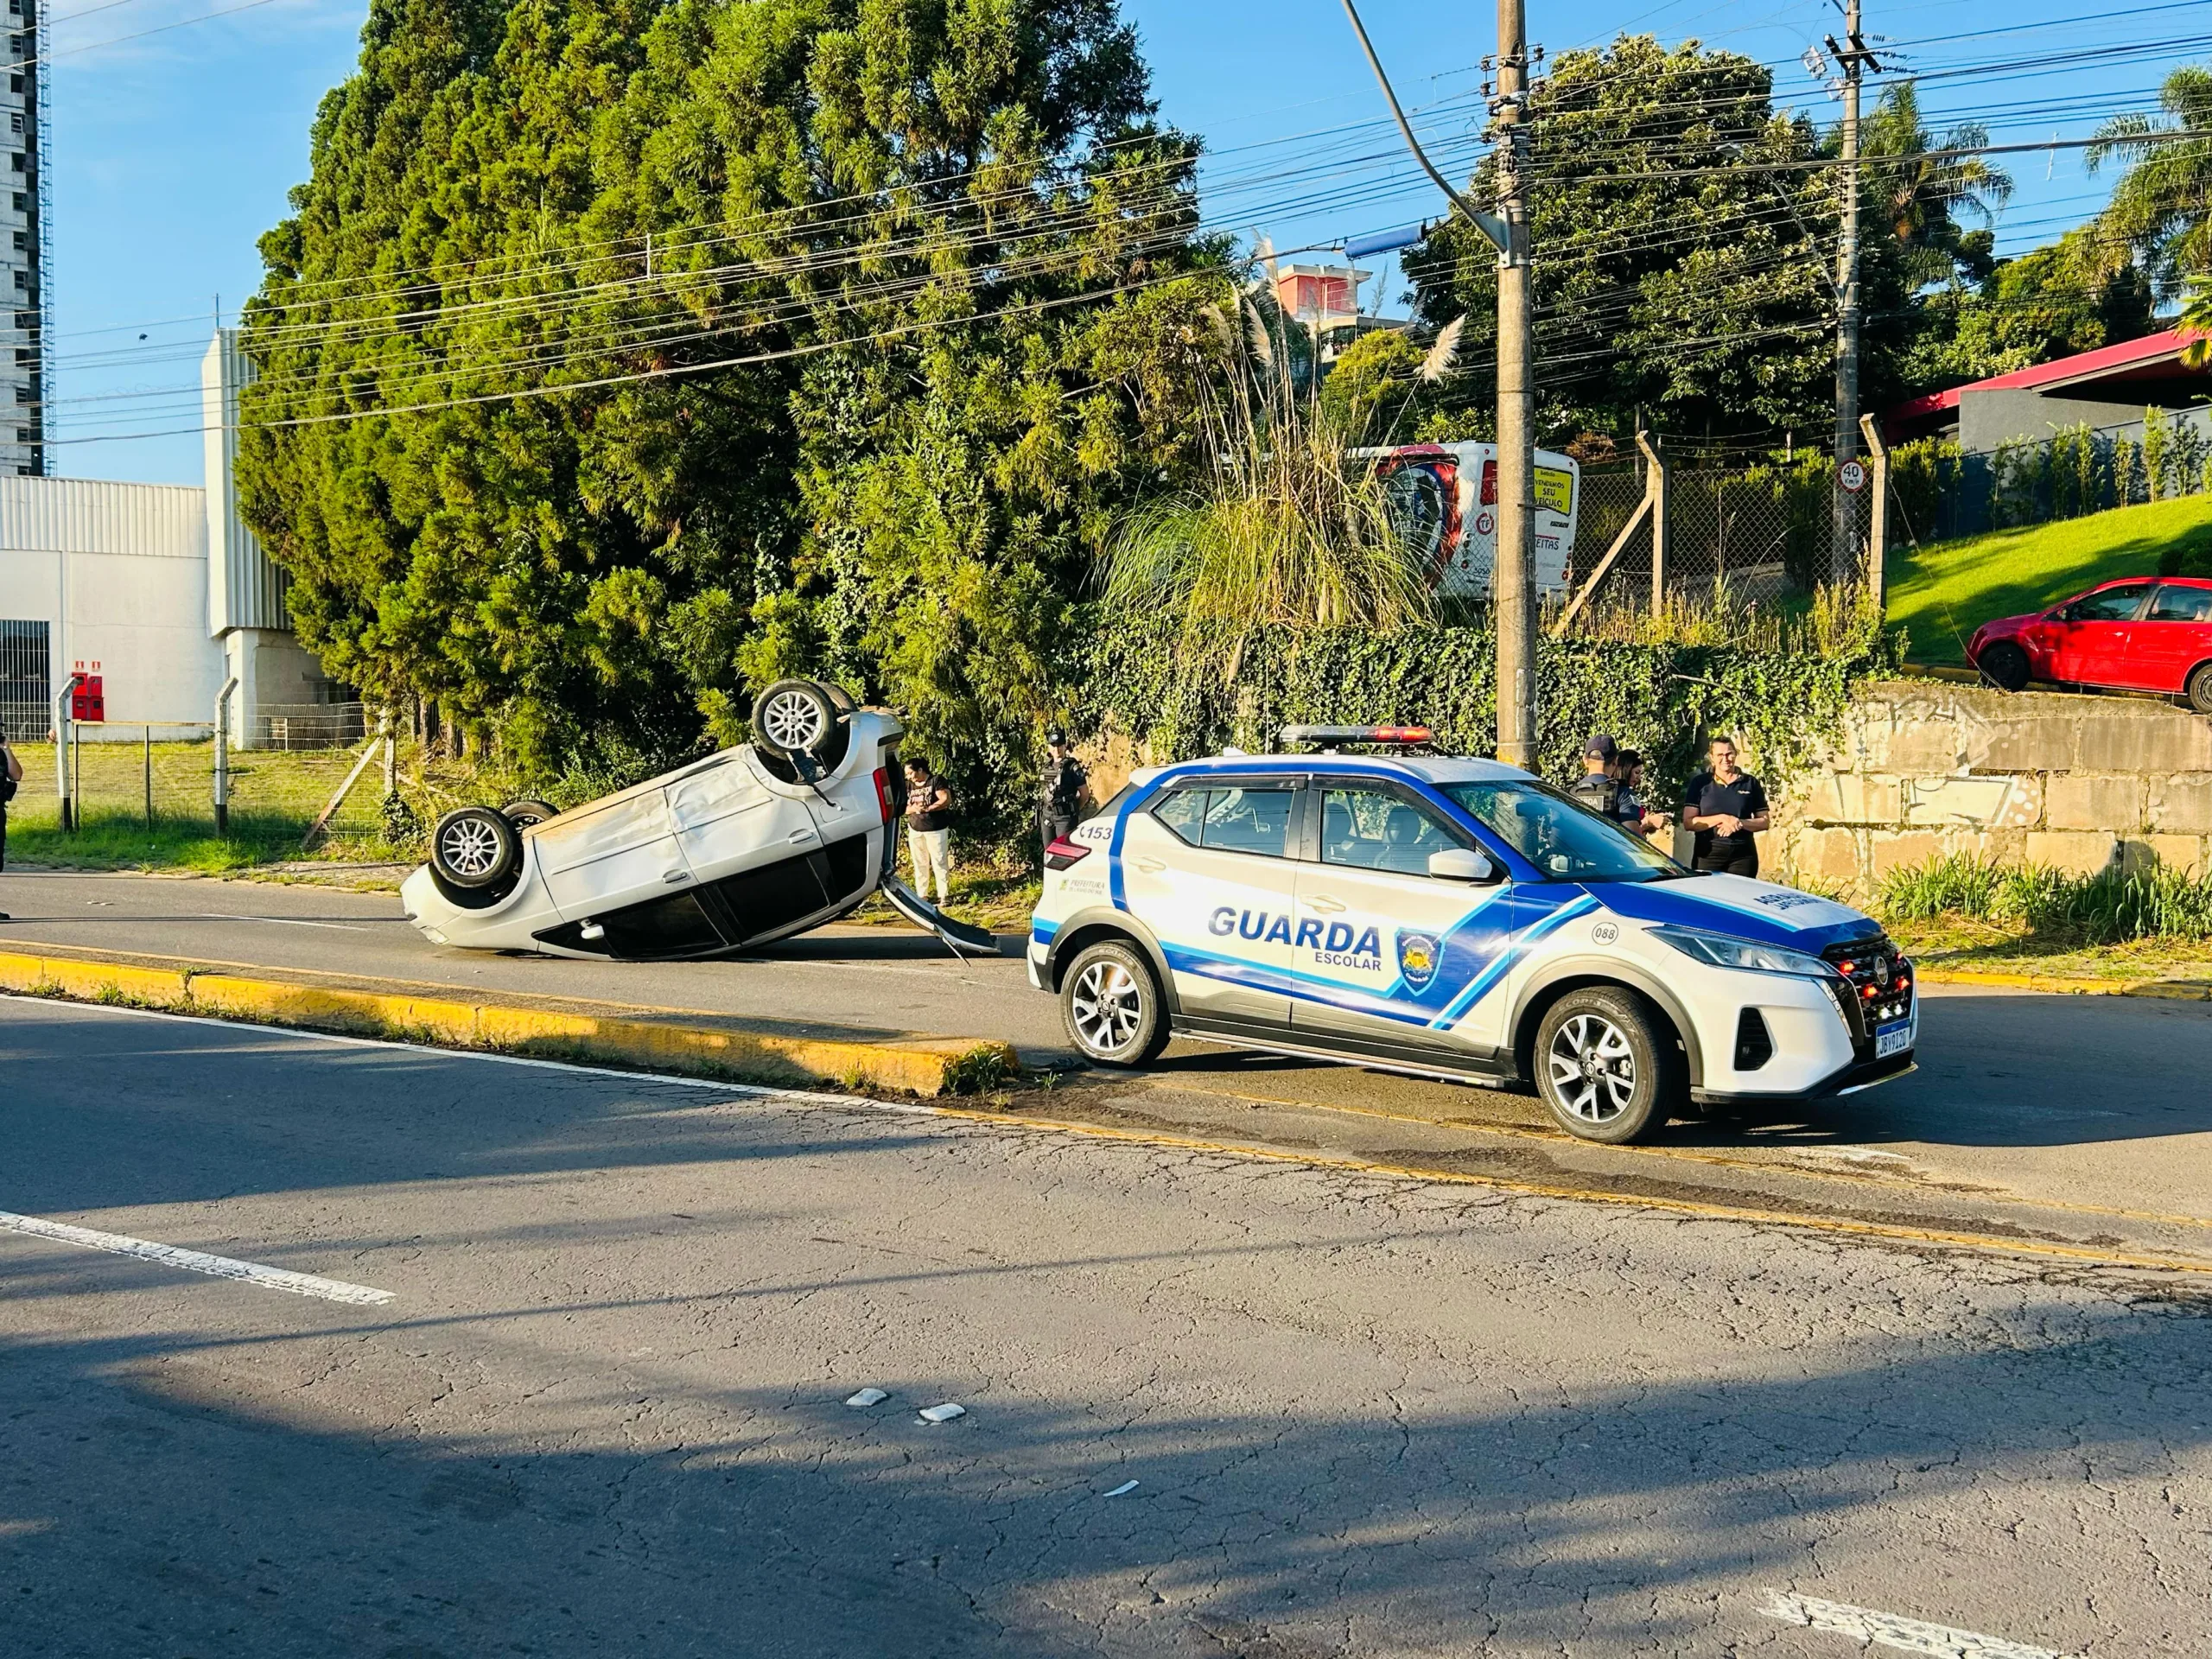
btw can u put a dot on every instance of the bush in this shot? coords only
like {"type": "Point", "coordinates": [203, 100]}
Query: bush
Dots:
{"type": "Point", "coordinates": [2107, 908]}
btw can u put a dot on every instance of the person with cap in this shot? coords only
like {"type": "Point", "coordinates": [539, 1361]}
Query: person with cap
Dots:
{"type": "Point", "coordinates": [1727, 808]}
{"type": "Point", "coordinates": [1599, 788]}
{"type": "Point", "coordinates": [1060, 793]}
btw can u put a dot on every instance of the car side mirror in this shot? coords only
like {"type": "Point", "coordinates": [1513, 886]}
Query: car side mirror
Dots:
{"type": "Point", "coordinates": [1461, 864]}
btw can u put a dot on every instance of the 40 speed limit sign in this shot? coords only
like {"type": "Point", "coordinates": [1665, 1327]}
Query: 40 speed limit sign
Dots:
{"type": "Point", "coordinates": [1851, 474]}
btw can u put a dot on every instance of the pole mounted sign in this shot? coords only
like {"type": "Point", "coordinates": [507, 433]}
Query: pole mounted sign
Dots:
{"type": "Point", "coordinates": [1851, 474]}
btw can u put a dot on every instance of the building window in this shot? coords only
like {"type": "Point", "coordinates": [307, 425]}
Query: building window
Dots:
{"type": "Point", "coordinates": [16, 121]}
{"type": "Point", "coordinates": [26, 694]}
{"type": "Point", "coordinates": [18, 159]}
{"type": "Point", "coordinates": [14, 83]}
{"type": "Point", "coordinates": [22, 240]}
{"type": "Point", "coordinates": [23, 280]}
{"type": "Point", "coordinates": [23, 394]}
{"type": "Point", "coordinates": [20, 201]}
{"type": "Point", "coordinates": [22, 434]}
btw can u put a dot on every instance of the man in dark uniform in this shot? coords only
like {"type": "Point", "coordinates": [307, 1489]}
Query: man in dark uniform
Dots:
{"type": "Point", "coordinates": [1727, 808]}
{"type": "Point", "coordinates": [1060, 799]}
{"type": "Point", "coordinates": [11, 773]}
{"type": "Point", "coordinates": [1599, 787]}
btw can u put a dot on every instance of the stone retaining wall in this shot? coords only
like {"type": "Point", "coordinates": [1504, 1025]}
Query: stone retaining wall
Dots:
{"type": "Point", "coordinates": [1926, 767]}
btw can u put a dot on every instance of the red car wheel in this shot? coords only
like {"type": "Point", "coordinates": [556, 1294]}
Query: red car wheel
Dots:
{"type": "Point", "coordinates": [2005, 666]}
{"type": "Point", "coordinates": [2199, 689]}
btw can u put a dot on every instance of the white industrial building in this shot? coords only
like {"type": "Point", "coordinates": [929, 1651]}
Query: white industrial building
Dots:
{"type": "Point", "coordinates": [160, 591]}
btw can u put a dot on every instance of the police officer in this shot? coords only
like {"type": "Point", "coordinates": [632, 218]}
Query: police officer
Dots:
{"type": "Point", "coordinates": [11, 773]}
{"type": "Point", "coordinates": [1060, 795]}
{"type": "Point", "coordinates": [1599, 788]}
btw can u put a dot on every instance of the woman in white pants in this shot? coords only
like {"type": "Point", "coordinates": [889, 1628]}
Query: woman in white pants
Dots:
{"type": "Point", "coordinates": [929, 829]}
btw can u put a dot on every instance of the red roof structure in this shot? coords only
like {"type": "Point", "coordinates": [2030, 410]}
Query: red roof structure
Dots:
{"type": "Point", "coordinates": [2133, 373]}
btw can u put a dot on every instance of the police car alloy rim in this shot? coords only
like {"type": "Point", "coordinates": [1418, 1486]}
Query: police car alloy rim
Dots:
{"type": "Point", "coordinates": [1107, 1005]}
{"type": "Point", "coordinates": [1592, 1068]}
{"type": "Point", "coordinates": [470, 847]}
{"type": "Point", "coordinates": [793, 720]}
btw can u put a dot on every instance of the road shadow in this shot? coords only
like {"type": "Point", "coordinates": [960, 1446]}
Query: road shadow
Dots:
{"type": "Point", "coordinates": [319, 1486]}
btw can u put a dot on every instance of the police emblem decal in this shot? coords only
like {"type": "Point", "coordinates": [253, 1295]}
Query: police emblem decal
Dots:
{"type": "Point", "coordinates": [1418, 955]}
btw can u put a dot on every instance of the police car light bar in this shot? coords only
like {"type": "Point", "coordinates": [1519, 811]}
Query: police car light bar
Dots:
{"type": "Point", "coordinates": [1292, 736]}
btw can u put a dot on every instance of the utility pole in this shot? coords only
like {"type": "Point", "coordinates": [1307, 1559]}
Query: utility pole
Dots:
{"type": "Point", "coordinates": [1513, 572]}
{"type": "Point", "coordinates": [1513, 578]}
{"type": "Point", "coordinates": [1853, 59]}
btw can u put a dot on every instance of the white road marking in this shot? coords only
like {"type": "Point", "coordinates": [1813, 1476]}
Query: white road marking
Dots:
{"type": "Point", "coordinates": [220, 1267]}
{"type": "Point", "coordinates": [283, 921]}
{"type": "Point", "coordinates": [1864, 1625]}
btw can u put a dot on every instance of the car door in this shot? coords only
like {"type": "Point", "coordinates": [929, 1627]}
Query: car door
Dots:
{"type": "Point", "coordinates": [613, 854]}
{"type": "Point", "coordinates": [2094, 647]}
{"type": "Point", "coordinates": [2173, 636]}
{"type": "Point", "coordinates": [1207, 867]}
{"type": "Point", "coordinates": [1384, 951]}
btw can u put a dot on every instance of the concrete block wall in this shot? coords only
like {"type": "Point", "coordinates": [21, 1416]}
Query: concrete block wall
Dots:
{"type": "Point", "coordinates": [1926, 768]}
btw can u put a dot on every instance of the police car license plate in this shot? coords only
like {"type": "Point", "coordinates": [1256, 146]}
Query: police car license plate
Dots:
{"type": "Point", "coordinates": [1892, 1038]}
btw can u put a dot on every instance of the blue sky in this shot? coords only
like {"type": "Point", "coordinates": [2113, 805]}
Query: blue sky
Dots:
{"type": "Point", "coordinates": [173, 151]}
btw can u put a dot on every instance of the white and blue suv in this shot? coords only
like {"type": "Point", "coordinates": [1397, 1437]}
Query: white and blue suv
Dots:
{"type": "Point", "coordinates": [1458, 918]}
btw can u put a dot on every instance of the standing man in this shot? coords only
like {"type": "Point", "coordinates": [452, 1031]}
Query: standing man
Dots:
{"type": "Point", "coordinates": [1598, 788]}
{"type": "Point", "coordinates": [1061, 793]}
{"type": "Point", "coordinates": [929, 829]}
{"type": "Point", "coordinates": [1727, 808]}
{"type": "Point", "coordinates": [11, 773]}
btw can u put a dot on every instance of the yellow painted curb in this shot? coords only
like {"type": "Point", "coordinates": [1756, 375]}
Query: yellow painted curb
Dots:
{"type": "Point", "coordinates": [2182, 991]}
{"type": "Point", "coordinates": [926, 1065]}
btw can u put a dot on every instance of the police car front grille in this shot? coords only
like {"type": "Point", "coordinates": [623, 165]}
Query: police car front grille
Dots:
{"type": "Point", "coordinates": [1876, 986]}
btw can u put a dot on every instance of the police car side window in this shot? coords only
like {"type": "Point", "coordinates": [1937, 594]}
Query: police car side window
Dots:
{"type": "Point", "coordinates": [1373, 829]}
{"type": "Point", "coordinates": [1183, 811]}
{"type": "Point", "coordinates": [1249, 821]}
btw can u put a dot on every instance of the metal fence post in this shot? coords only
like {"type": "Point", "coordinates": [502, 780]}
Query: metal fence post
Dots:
{"type": "Point", "coordinates": [1655, 491]}
{"type": "Point", "coordinates": [1877, 535]}
{"type": "Point", "coordinates": [223, 757]}
{"type": "Point", "coordinates": [61, 750]}
{"type": "Point", "coordinates": [149, 778]}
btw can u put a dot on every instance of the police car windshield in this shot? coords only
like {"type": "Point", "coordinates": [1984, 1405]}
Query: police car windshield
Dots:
{"type": "Point", "coordinates": [1560, 836]}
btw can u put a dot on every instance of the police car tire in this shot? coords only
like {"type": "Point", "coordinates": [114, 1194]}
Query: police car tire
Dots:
{"type": "Point", "coordinates": [2005, 666]}
{"type": "Point", "coordinates": [1111, 1004]}
{"type": "Point", "coordinates": [1612, 1025]}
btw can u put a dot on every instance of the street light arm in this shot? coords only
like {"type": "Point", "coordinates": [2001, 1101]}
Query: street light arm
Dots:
{"type": "Point", "coordinates": [1488, 224]}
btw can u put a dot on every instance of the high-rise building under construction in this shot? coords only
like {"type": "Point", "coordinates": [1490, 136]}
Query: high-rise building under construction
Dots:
{"type": "Point", "coordinates": [24, 215]}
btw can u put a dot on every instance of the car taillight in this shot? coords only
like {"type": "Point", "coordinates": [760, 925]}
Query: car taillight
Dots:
{"type": "Point", "coordinates": [883, 800]}
{"type": "Point", "coordinates": [1063, 853]}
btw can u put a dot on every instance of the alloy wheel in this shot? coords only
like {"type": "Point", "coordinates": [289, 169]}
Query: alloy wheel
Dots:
{"type": "Point", "coordinates": [1107, 1005]}
{"type": "Point", "coordinates": [794, 721]}
{"type": "Point", "coordinates": [1592, 1068]}
{"type": "Point", "coordinates": [469, 848]}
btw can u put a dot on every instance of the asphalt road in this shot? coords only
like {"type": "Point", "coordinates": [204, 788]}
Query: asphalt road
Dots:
{"type": "Point", "coordinates": [2083, 1120]}
{"type": "Point", "coordinates": [601, 1411]}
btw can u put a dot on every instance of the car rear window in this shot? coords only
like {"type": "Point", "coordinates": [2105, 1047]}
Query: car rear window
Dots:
{"type": "Point", "coordinates": [1233, 820]}
{"type": "Point", "coordinates": [2181, 605]}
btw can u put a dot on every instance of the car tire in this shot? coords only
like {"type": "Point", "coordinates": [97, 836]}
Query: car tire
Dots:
{"type": "Point", "coordinates": [473, 847]}
{"type": "Point", "coordinates": [793, 717]}
{"type": "Point", "coordinates": [841, 697]}
{"type": "Point", "coordinates": [1606, 1069]}
{"type": "Point", "coordinates": [2199, 689]}
{"type": "Point", "coordinates": [2005, 666]}
{"type": "Point", "coordinates": [528, 814]}
{"type": "Point", "coordinates": [1111, 1004]}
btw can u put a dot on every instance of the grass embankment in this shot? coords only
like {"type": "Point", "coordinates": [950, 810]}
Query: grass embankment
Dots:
{"type": "Point", "coordinates": [1941, 593]}
{"type": "Point", "coordinates": [1966, 912]}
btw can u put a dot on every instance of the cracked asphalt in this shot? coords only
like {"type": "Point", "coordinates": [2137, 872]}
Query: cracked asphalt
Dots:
{"type": "Point", "coordinates": [1366, 1414]}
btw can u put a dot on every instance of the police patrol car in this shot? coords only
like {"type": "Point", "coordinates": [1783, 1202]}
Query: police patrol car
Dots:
{"type": "Point", "coordinates": [1458, 918]}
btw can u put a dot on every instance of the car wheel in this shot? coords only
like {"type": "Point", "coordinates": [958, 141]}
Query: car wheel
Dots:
{"type": "Point", "coordinates": [475, 847]}
{"type": "Point", "coordinates": [794, 717]}
{"type": "Point", "coordinates": [1603, 1067]}
{"type": "Point", "coordinates": [841, 697]}
{"type": "Point", "coordinates": [2005, 666]}
{"type": "Point", "coordinates": [1111, 1004]}
{"type": "Point", "coordinates": [528, 814]}
{"type": "Point", "coordinates": [2200, 690]}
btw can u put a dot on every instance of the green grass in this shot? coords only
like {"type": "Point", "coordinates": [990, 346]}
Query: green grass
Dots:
{"type": "Point", "coordinates": [2110, 908]}
{"type": "Point", "coordinates": [1941, 593]}
{"type": "Point", "coordinates": [120, 841]}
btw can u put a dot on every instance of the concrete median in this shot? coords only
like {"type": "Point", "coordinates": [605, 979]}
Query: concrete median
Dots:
{"type": "Point", "coordinates": [740, 1050]}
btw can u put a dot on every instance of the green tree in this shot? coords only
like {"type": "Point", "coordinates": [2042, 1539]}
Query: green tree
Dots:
{"type": "Point", "coordinates": [2047, 303]}
{"type": "Point", "coordinates": [618, 351]}
{"type": "Point", "coordinates": [2161, 208]}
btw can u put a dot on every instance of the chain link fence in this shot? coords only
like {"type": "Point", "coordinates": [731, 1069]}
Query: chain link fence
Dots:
{"type": "Point", "coordinates": [1750, 536]}
{"type": "Point", "coordinates": [160, 783]}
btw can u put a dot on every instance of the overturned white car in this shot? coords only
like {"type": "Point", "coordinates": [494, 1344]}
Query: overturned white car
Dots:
{"type": "Point", "coordinates": [751, 844]}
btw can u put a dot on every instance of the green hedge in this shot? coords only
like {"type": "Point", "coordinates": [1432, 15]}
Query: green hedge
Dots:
{"type": "Point", "coordinates": [1663, 700]}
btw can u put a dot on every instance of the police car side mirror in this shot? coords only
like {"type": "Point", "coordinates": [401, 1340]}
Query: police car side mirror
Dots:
{"type": "Point", "coordinates": [1460, 864]}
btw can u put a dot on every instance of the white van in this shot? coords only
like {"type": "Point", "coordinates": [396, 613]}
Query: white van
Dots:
{"type": "Point", "coordinates": [1444, 496]}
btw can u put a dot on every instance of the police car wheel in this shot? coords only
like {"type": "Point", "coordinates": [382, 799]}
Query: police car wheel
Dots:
{"type": "Point", "coordinates": [1602, 1068]}
{"type": "Point", "coordinates": [1111, 1006]}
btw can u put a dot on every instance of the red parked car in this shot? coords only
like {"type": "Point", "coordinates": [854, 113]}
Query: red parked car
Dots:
{"type": "Point", "coordinates": [2141, 634]}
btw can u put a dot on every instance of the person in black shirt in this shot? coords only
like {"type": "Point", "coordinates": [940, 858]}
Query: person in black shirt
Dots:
{"type": "Point", "coordinates": [11, 773]}
{"type": "Point", "coordinates": [1060, 799]}
{"type": "Point", "coordinates": [929, 830]}
{"type": "Point", "coordinates": [1727, 808]}
{"type": "Point", "coordinates": [1598, 787]}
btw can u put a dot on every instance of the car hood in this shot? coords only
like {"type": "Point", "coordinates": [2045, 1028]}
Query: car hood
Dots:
{"type": "Point", "coordinates": [1739, 907]}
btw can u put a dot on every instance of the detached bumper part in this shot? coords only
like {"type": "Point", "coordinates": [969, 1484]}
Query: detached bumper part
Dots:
{"type": "Point", "coordinates": [960, 935]}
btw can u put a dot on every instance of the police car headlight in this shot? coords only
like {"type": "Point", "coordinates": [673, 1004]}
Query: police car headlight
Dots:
{"type": "Point", "coordinates": [1721, 951]}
